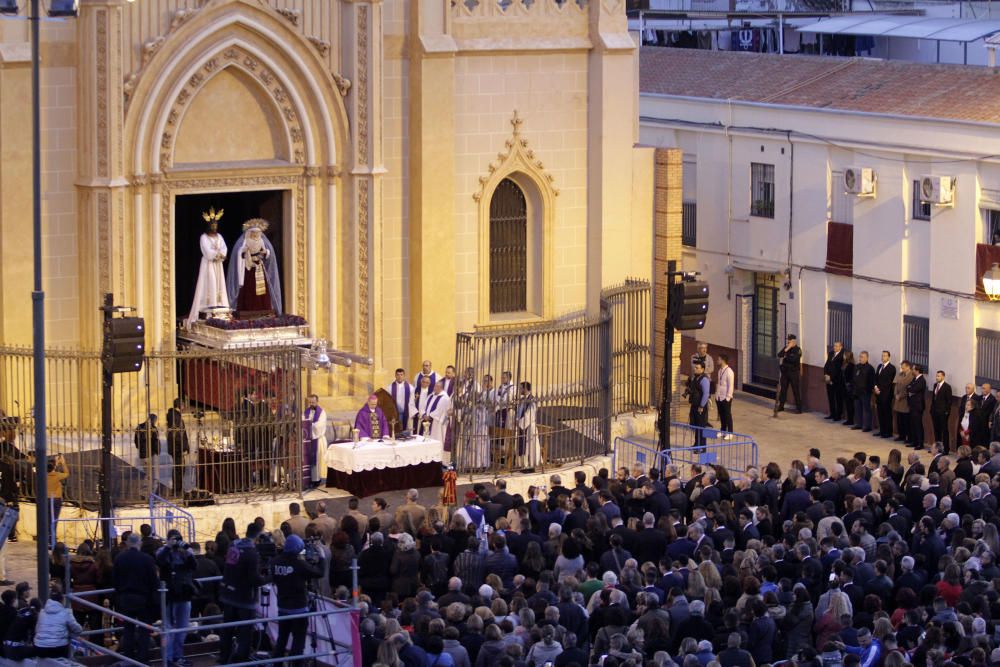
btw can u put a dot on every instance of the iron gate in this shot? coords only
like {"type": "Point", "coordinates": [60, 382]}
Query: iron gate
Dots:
{"type": "Point", "coordinates": [222, 422]}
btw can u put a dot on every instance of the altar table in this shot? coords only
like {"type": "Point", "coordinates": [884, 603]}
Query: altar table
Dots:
{"type": "Point", "coordinates": [374, 466]}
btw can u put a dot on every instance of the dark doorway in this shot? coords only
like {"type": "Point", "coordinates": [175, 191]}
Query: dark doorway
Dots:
{"type": "Point", "coordinates": [765, 329]}
{"type": "Point", "coordinates": [239, 207]}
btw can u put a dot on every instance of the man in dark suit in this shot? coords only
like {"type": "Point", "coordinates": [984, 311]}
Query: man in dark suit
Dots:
{"type": "Point", "coordinates": [984, 417]}
{"type": "Point", "coordinates": [833, 375]}
{"type": "Point", "coordinates": [864, 385]}
{"type": "Point", "coordinates": [796, 500]}
{"type": "Point", "coordinates": [502, 497]}
{"type": "Point", "coordinates": [884, 375]}
{"type": "Point", "coordinates": [916, 401]}
{"type": "Point", "coordinates": [747, 531]}
{"type": "Point", "coordinates": [941, 409]}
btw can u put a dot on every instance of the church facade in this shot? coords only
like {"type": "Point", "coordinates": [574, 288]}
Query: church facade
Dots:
{"type": "Point", "coordinates": [426, 166]}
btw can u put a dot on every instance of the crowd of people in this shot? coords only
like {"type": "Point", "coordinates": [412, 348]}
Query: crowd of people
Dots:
{"type": "Point", "coordinates": [850, 562]}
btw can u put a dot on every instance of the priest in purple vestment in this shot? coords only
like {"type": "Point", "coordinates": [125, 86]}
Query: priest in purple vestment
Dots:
{"type": "Point", "coordinates": [371, 421]}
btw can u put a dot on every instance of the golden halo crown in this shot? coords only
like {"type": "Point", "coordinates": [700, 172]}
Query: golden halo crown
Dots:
{"type": "Point", "coordinates": [211, 216]}
{"type": "Point", "coordinates": [259, 223]}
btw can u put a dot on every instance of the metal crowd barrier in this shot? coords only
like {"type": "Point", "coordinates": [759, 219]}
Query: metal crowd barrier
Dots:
{"type": "Point", "coordinates": [164, 633]}
{"type": "Point", "coordinates": [689, 445]}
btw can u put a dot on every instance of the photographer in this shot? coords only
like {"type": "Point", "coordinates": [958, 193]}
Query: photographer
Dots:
{"type": "Point", "coordinates": [291, 572]}
{"type": "Point", "coordinates": [241, 581]}
{"type": "Point", "coordinates": [177, 566]}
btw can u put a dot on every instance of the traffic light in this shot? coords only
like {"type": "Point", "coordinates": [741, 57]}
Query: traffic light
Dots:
{"type": "Point", "coordinates": [688, 306]}
{"type": "Point", "coordinates": [124, 344]}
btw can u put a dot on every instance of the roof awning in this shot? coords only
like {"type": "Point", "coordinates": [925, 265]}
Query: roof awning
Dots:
{"type": "Point", "coordinates": [917, 27]}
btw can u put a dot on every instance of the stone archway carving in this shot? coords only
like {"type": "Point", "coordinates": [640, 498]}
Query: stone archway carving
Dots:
{"type": "Point", "coordinates": [238, 57]}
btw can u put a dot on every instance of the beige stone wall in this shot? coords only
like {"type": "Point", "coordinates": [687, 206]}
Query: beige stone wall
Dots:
{"type": "Point", "coordinates": [668, 180]}
{"type": "Point", "coordinates": [549, 92]}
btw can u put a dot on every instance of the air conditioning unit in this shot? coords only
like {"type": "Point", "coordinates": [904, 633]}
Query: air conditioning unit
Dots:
{"type": "Point", "coordinates": [938, 190]}
{"type": "Point", "coordinates": [859, 181]}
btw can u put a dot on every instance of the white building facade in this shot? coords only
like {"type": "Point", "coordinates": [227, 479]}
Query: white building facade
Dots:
{"type": "Point", "coordinates": [764, 185]}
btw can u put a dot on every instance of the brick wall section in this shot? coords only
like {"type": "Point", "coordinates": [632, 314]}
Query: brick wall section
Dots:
{"type": "Point", "coordinates": [668, 196]}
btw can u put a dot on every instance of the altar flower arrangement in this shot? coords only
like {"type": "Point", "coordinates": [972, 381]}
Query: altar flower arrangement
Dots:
{"type": "Point", "coordinates": [264, 323]}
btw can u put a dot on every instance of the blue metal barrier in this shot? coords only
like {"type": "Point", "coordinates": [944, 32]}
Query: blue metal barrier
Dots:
{"type": "Point", "coordinates": [166, 515]}
{"type": "Point", "coordinates": [735, 453]}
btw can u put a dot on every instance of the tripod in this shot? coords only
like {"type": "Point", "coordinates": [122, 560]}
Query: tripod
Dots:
{"type": "Point", "coordinates": [314, 621]}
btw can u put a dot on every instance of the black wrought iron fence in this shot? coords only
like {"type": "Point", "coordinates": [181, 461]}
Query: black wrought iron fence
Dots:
{"type": "Point", "coordinates": [582, 372]}
{"type": "Point", "coordinates": [630, 311]}
{"type": "Point", "coordinates": [190, 425]}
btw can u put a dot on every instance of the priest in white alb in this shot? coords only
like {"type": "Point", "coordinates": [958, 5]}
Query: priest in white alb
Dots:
{"type": "Point", "coordinates": [529, 450]}
{"type": "Point", "coordinates": [437, 411]}
{"type": "Point", "coordinates": [210, 290]}
{"type": "Point", "coordinates": [315, 449]}
{"type": "Point", "coordinates": [419, 406]}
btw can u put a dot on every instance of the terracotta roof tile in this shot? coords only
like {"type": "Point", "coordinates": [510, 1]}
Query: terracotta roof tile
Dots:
{"type": "Point", "coordinates": [854, 84]}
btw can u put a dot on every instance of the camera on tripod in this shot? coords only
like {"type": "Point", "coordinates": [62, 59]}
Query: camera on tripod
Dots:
{"type": "Point", "coordinates": [313, 552]}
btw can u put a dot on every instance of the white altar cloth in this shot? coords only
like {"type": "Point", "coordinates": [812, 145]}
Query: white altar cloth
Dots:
{"type": "Point", "coordinates": [375, 455]}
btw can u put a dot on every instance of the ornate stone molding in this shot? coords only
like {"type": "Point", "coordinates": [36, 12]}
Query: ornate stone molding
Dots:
{"type": "Point", "coordinates": [321, 45]}
{"type": "Point", "coordinates": [343, 84]}
{"type": "Point", "coordinates": [181, 16]}
{"type": "Point", "coordinates": [293, 15]}
{"type": "Point", "coordinates": [139, 181]}
{"type": "Point", "coordinates": [364, 216]}
{"type": "Point", "coordinates": [151, 47]}
{"type": "Point", "coordinates": [234, 56]}
{"type": "Point", "coordinates": [517, 155]}
{"type": "Point", "coordinates": [103, 224]}
{"type": "Point", "coordinates": [103, 150]}
{"type": "Point", "coordinates": [362, 84]}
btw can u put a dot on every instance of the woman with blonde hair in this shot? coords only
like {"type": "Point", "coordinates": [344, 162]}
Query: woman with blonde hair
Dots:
{"type": "Point", "coordinates": [883, 628]}
{"type": "Point", "coordinates": [710, 575]}
{"type": "Point", "coordinates": [696, 586]}
{"type": "Point", "coordinates": [387, 654]}
{"type": "Point", "coordinates": [828, 625]}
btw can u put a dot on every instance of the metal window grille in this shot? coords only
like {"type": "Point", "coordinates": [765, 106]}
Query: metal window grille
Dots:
{"type": "Point", "coordinates": [921, 209]}
{"type": "Point", "coordinates": [839, 323]}
{"type": "Point", "coordinates": [987, 356]}
{"type": "Point", "coordinates": [916, 340]}
{"type": "Point", "coordinates": [992, 219]}
{"type": "Point", "coordinates": [508, 249]}
{"type": "Point", "coordinates": [761, 190]}
{"type": "Point", "coordinates": [689, 224]}
{"type": "Point", "coordinates": [841, 203]}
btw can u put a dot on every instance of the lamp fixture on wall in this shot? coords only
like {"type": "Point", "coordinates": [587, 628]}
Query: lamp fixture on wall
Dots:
{"type": "Point", "coordinates": [57, 8]}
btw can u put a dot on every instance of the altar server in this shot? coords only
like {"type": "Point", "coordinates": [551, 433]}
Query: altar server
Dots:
{"type": "Point", "coordinates": [425, 372]}
{"type": "Point", "coordinates": [315, 454]}
{"type": "Point", "coordinates": [371, 422]}
{"type": "Point", "coordinates": [504, 396]}
{"type": "Point", "coordinates": [528, 445]}
{"type": "Point", "coordinates": [420, 403]}
{"type": "Point", "coordinates": [402, 395]}
{"type": "Point", "coordinates": [437, 412]}
{"type": "Point", "coordinates": [449, 381]}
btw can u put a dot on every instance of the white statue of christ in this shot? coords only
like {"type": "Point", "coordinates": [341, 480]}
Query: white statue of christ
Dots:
{"type": "Point", "coordinates": [210, 291]}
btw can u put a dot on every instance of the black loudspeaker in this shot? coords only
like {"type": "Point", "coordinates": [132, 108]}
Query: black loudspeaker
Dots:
{"type": "Point", "coordinates": [64, 7]}
{"type": "Point", "coordinates": [8, 7]}
{"type": "Point", "coordinates": [688, 306]}
{"type": "Point", "coordinates": [124, 344]}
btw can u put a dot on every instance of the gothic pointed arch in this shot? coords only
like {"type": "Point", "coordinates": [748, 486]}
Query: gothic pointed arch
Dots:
{"type": "Point", "coordinates": [516, 184]}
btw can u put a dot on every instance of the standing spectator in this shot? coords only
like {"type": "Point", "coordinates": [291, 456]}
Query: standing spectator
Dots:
{"type": "Point", "coordinates": [296, 521]}
{"type": "Point", "coordinates": [204, 567]}
{"type": "Point", "coordinates": [241, 581]}
{"type": "Point", "coordinates": [941, 409]}
{"type": "Point", "coordinates": [177, 567]}
{"type": "Point", "coordinates": [405, 567]}
{"type": "Point", "coordinates": [762, 633]}
{"type": "Point", "coordinates": [724, 396]}
{"type": "Point", "coordinates": [790, 366]}
{"type": "Point", "coordinates": [864, 384]}
{"type": "Point", "coordinates": [900, 406]}
{"type": "Point", "coordinates": [56, 627]}
{"type": "Point", "coordinates": [136, 585]}
{"type": "Point", "coordinates": [847, 392]}
{"type": "Point", "coordinates": [698, 391]}
{"type": "Point", "coordinates": [833, 376]}
{"type": "Point", "coordinates": [885, 374]}
{"type": "Point", "coordinates": [17, 643]}
{"type": "Point", "coordinates": [177, 444]}
{"type": "Point", "coordinates": [57, 474]}
{"type": "Point", "coordinates": [916, 392]}
{"type": "Point", "coordinates": [291, 573]}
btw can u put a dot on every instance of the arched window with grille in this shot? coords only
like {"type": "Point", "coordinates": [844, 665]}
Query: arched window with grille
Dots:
{"type": "Point", "coordinates": [508, 249]}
